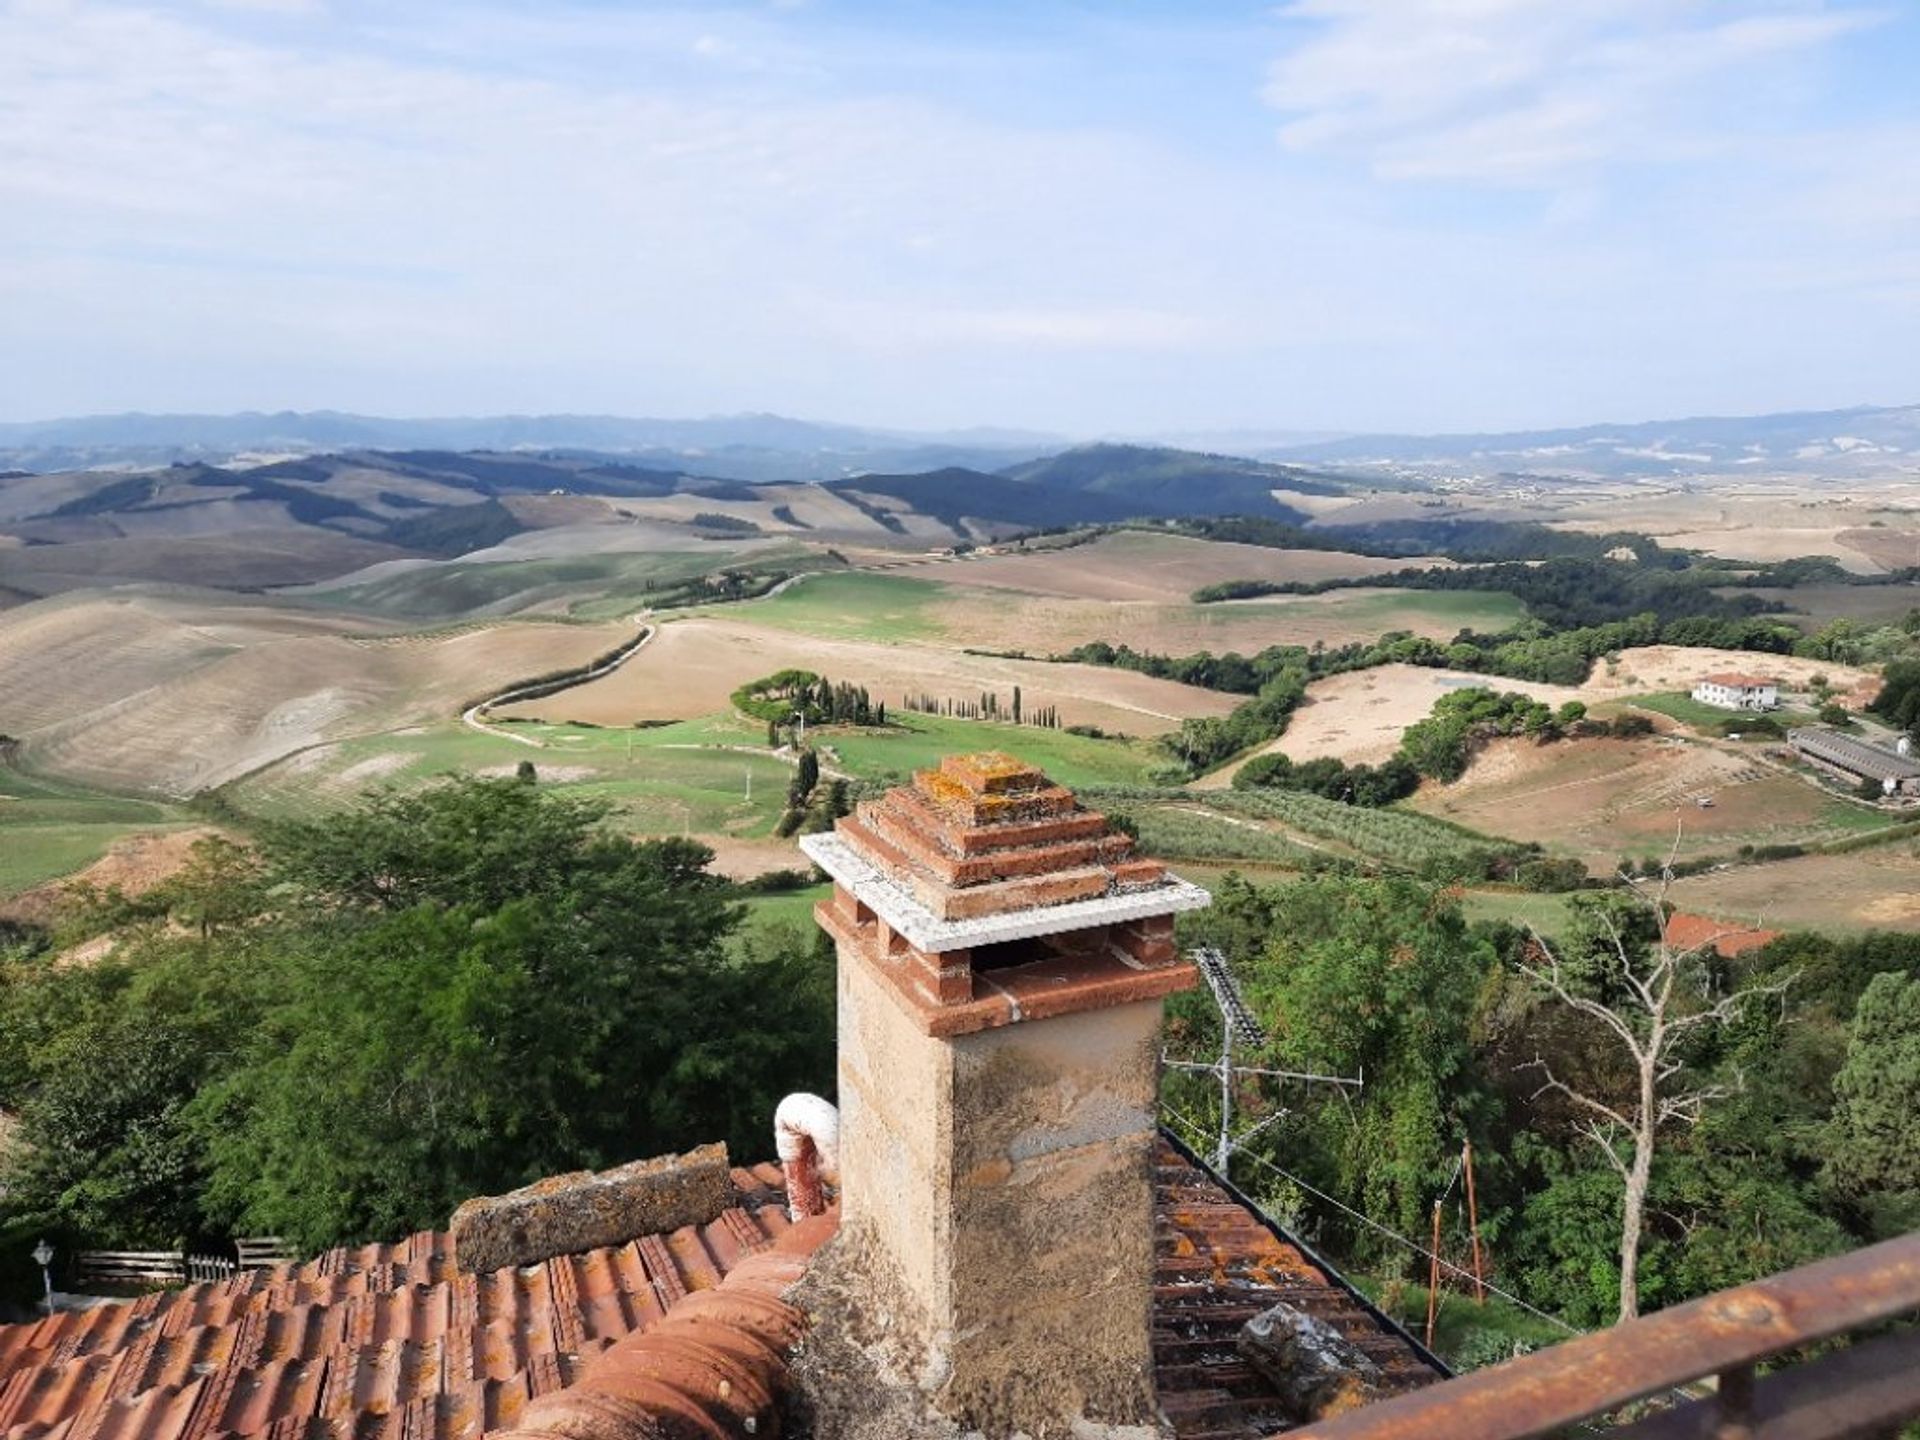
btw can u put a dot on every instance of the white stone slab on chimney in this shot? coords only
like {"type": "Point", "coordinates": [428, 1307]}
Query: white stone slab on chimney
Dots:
{"type": "Point", "coordinates": [892, 902]}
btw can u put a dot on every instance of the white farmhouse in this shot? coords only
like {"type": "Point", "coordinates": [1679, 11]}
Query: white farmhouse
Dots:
{"type": "Point", "coordinates": [1733, 690]}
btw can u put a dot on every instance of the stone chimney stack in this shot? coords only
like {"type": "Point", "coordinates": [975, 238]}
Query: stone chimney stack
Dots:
{"type": "Point", "coordinates": [1003, 959]}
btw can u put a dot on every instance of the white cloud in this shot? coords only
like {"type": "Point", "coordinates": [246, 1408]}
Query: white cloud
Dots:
{"type": "Point", "coordinates": [458, 207]}
{"type": "Point", "coordinates": [1536, 93]}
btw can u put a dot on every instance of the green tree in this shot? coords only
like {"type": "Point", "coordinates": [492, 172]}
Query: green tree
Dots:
{"type": "Point", "coordinates": [1875, 1155]}
{"type": "Point", "coordinates": [222, 884]}
{"type": "Point", "coordinates": [1373, 975]}
{"type": "Point", "coordinates": [518, 1018]}
{"type": "Point", "coordinates": [1650, 1003]}
{"type": "Point", "coordinates": [101, 1081]}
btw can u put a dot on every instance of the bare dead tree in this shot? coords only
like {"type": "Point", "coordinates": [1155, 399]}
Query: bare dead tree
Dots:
{"type": "Point", "coordinates": [1665, 998]}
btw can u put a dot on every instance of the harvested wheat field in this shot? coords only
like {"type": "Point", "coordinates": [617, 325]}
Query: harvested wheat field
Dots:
{"type": "Point", "coordinates": [168, 695]}
{"type": "Point", "coordinates": [238, 561]}
{"type": "Point", "coordinates": [695, 665]}
{"type": "Point", "coordinates": [1139, 565]}
{"type": "Point", "coordinates": [1876, 889]}
{"type": "Point", "coordinates": [1655, 668]}
{"type": "Point", "coordinates": [1361, 715]}
{"type": "Point", "coordinates": [1602, 799]}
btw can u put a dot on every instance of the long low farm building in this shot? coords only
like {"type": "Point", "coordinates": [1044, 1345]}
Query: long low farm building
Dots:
{"type": "Point", "coordinates": [1894, 772]}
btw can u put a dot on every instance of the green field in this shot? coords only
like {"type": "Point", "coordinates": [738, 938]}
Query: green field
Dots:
{"type": "Point", "coordinates": [687, 778]}
{"type": "Point", "coordinates": [791, 907]}
{"type": "Point", "coordinates": [1392, 838]}
{"type": "Point", "coordinates": [856, 606]}
{"type": "Point", "coordinates": [1488, 611]}
{"type": "Point", "coordinates": [919, 741]}
{"type": "Point", "coordinates": [49, 829]}
{"type": "Point", "coordinates": [1677, 705]}
{"type": "Point", "coordinates": [661, 781]}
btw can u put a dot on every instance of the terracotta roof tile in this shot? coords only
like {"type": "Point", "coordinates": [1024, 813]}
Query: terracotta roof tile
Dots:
{"type": "Point", "coordinates": [1219, 1264]}
{"type": "Point", "coordinates": [378, 1342]}
{"type": "Point", "coordinates": [1697, 932]}
{"type": "Point", "coordinates": [390, 1343]}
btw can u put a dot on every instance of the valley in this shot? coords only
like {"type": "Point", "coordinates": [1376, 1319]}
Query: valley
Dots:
{"type": "Point", "coordinates": [270, 642]}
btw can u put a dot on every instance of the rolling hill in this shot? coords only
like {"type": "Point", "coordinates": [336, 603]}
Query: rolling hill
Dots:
{"type": "Point", "coordinates": [1861, 440]}
{"type": "Point", "coordinates": [1147, 480]}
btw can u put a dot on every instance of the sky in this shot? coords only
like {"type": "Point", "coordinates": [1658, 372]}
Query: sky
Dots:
{"type": "Point", "coordinates": [1113, 218]}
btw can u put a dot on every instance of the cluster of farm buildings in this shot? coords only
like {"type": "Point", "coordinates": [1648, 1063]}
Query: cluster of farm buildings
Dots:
{"type": "Point", "coordinates": [1843, 756]}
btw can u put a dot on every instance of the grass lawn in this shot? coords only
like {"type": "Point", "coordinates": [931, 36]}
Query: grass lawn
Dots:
{"type": "Point", "coordinates": [792, 907]}
{"type": "Point", "coordinates": [853, 606]}
{"type": "Point", "coordinates": [1678, 705]}
{"type": "Point", "coordinates": [49, 828]}
{"type": "Point", "coordinates": [692, 777]}
{"type": "Point", "coordinates": [662, 781]}
{"type": "Point", "coordinates": [1545, 913]}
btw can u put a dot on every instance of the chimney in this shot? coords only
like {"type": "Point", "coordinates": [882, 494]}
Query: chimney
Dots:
{"type": "Point", "coordinates": [1003, 959]}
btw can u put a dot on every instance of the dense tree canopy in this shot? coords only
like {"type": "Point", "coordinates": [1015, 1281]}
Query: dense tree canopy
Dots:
{"type": "Point", "coordinates": [451, 993]}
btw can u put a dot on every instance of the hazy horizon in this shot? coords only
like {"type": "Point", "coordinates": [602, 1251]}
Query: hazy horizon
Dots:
{"type": "Point", "coordinates": [1335, 216]}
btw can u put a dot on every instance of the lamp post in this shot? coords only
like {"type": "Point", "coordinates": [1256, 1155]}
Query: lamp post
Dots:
{"type": "Point", "coordinates": [43, 1257]}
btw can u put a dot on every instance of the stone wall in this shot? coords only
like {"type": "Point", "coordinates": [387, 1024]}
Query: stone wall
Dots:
{"type": "Point", "coordinates": [570, 1214]}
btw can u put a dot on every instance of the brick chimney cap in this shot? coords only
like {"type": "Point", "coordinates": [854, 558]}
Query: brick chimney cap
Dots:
{"type": "Point", "coordinates": [895, 904]}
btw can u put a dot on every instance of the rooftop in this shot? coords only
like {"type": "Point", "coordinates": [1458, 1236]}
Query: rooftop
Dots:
{"type": "Point", "coordinates": [1856, 755]}
{"type": "Point", "coordinates": [392, 1342]}
{"type": "Point", "coordinates": [1739, 680]}
{"type": "Point", "coordinates": [1698, 932]}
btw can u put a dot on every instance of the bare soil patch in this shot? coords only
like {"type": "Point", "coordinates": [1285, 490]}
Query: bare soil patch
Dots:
{"type": "Point", "coordinates": [1654, 668]}
{"type": "Point", "coordinates": [744, 859]}
{"type": "Point", "coordinates": [1602, 799]}
{"type": "Point", "coordinates": [554, 774]}
{"type": "Point", "coordinates": [1360, 716]}
{"type": "Point", "coordinates": [1876, 889]}
{"type": "Point", "coordinates": [134, 863]}
{"type": "Point", "coordinates": [156, 692]}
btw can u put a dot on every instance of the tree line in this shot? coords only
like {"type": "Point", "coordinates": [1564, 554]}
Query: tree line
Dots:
{"type": "Point", "coordinates": [343, 1034]}
{"type": "Point", "coordinates": [1778, 1129]}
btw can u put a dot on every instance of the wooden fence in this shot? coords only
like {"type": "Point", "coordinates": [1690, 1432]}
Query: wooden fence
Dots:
{"type": "Point", "coordinates": [151, 1269]}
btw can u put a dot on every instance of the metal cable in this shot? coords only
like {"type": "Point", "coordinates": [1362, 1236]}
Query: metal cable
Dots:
{"type": "Point", "coordinates": [1394, 1235]}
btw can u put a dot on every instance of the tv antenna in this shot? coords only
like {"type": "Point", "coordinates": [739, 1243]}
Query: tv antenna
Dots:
{"type": "Point", "coordinates": [1237, 1023]}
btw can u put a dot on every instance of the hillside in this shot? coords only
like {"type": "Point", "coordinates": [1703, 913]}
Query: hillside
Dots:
{"type": "Point", "coordinates": [169, 694]}
{"type": "Point", "coordinates": [739, 447]}
{"type": "Point", "coordinates": [1144, 480]}
{"type": "Point", "coordinates": [1862, 440]}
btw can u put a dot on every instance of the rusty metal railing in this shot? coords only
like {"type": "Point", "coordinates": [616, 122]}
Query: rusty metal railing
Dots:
{"type": "Point", "coordinates": [1862, 1390]}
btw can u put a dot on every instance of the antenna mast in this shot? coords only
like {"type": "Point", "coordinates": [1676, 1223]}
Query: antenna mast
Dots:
{"type": "Point", "coordinates": [1237, 1022]}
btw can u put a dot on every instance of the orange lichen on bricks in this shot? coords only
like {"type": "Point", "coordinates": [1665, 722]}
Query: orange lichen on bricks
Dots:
{"type": "Point", "coordinates": [984, 839]}
{"type": "Point", "coordinates": [992, 771]}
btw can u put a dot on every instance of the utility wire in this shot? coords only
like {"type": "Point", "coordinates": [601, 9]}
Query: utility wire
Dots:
{"type": "Point", "coordinates": [1394, 1235]}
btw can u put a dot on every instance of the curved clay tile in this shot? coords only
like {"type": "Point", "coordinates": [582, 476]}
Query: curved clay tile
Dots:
{"type": "Point", "coordinates": [714, 1369]}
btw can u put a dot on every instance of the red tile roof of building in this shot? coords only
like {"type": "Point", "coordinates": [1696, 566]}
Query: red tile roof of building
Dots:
{"type": "Point", "coordinates": [383, 1342]}
{"type": "Point", "coordinates": [389, 1342]}
{"type": "Point", "coordinates": [1697, 932]}
{"type": "Point", "coordinates": [1220, 1263]}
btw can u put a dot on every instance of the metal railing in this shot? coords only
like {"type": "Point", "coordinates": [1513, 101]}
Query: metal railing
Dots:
{"type": "Point", "coordinates": [1861, 1390]}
